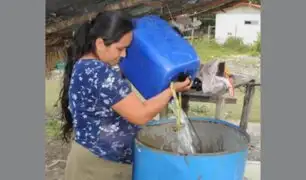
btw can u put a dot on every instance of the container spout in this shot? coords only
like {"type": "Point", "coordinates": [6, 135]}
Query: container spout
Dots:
{"type": "Point", "coordinates": [182, 77]}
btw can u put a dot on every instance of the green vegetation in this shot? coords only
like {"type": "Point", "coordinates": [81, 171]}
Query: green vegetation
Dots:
{"type": "Point", "coordinates": [255, 1]}
{"type": "Point", "coordinates": [52, 88]}
{"type": "Point", "coordinates": [52, 128]}
{"type": "Point", "coordinates": [209, 49]}
{"type": "Point", "coordinates": [256, 47]}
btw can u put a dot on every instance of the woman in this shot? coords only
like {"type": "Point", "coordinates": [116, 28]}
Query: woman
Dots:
{"type": "Point", "coordinates": [98, 105]}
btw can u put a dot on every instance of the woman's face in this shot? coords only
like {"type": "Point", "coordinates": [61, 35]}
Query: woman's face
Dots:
{"type": "Point", "coordinates": [113, 53]}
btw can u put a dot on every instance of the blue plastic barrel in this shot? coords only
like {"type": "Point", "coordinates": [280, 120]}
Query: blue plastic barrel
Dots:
{"type": "Point", "coordinates": [156, 56]}
{"type": "Point", "coordinates": [225, 152]}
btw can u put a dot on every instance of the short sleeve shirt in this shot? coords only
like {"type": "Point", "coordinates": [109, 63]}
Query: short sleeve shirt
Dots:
{"type": "Point", "coordinates": [94, 88]}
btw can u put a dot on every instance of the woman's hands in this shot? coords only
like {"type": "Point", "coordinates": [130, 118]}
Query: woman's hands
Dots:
{"type": "Point", "coordinates": [182, 86]}
{"type": "Point", "coordinates": [138, 112]}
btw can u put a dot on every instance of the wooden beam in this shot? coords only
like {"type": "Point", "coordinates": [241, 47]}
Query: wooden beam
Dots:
{"type": "Point", "coordinates": [202, 7]}
{"type": "Point", "coordinates": [81, 19]}
{"type": "Point", "coordinates": [52, 40]}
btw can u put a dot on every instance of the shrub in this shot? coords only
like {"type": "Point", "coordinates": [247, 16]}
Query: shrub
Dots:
{"type": "Point", "coordinates": [235, 43]}
{"type": "Point", "coordinates": [257, 44]}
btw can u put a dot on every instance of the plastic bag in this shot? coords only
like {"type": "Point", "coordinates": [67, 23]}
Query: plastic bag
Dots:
{"type": "Point", "coordinates": [212, 83]}
{"type": "Point", "coordinates": [188, 141]}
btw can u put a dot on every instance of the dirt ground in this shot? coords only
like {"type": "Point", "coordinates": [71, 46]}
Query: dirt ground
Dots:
{"type": "Point", "coordinates": [55, 157]}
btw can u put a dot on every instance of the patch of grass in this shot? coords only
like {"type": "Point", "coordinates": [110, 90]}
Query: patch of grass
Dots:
{"type": "Point", "coordinates": [210, 49]}
{"type": "Point", "coordinates": [250, 62]}
{"type": "Point", "coordinates": [256, 47]}
{"type": "Point", "coordinates": [52, 89]}
{"type": "Point", "coordinates": [52, 128]}
{"type": "Point", "coordinates": [236, 44]}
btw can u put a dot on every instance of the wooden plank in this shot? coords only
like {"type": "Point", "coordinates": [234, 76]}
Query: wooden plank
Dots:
{"type": "Point", "coordinates": [201, 7]}
{"type": "Point", "coordinates": [228, 100]}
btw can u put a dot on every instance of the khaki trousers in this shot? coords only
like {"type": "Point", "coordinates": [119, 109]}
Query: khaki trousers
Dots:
{"type": "Point", "coordinates": [84, 165]}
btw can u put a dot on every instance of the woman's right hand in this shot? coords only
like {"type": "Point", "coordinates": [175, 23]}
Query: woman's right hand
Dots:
{"type": "Point", "coordinates": [138, 112]}
{"type": "Point", "coordinates": [182, 86]}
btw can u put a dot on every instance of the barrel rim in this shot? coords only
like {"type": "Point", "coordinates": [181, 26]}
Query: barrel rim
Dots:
{"type": "Point", "coordinates": [210, 120]}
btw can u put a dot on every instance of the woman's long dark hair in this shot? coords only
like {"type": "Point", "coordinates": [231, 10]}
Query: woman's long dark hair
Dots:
{"type": "Point", "coordinates": [110, 26]}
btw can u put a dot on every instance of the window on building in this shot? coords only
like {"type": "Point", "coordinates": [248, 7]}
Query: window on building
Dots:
{"type": "Point", "coordinates": [251, 22]}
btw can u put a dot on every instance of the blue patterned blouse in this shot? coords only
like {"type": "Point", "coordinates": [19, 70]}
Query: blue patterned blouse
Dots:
{"type": "Point", "coordinates": [94, 88]}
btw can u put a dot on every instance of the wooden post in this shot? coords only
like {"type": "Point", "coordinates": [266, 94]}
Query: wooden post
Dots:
{"type": "Point", "coordinates": [247, 103]}
{"type": "Point", "coordinates": [209, 32]}
{"type": "Point", "coordinates": [219, 107]}
{"type": "Point", "coordinates": [192, 35]}
{"type": "Point", "coordinates": [161, 10]}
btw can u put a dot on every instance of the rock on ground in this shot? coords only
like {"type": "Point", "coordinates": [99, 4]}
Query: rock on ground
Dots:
{"type": "Point", "coordinates": [55, 156]}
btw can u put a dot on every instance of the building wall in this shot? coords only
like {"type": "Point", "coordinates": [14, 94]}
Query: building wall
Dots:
{"type": "Point", "coordinates": [243, 22]}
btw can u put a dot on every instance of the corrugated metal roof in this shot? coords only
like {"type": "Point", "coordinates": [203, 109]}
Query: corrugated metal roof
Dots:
{"type": "Point", "coordinates": [63, 15]}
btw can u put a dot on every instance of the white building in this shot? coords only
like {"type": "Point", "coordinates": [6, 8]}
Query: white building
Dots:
{"type": "Point", "coordinates": [240, 20]}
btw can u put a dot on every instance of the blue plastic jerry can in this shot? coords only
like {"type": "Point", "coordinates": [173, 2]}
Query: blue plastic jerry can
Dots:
{"type": "Point", "coordinates": [157, 56]}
